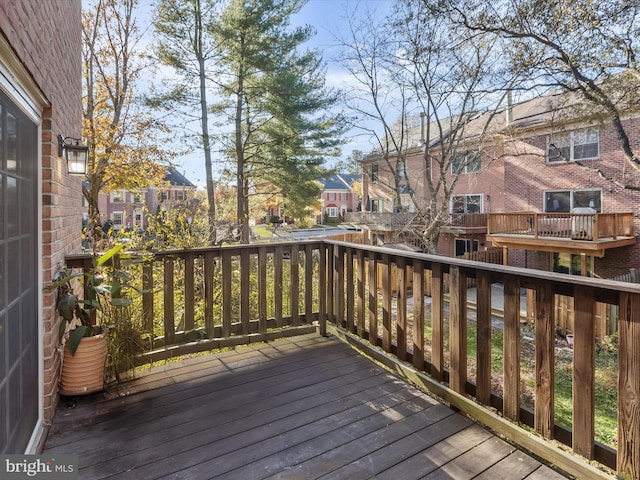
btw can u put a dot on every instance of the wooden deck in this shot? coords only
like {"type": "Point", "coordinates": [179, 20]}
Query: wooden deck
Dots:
{"type": "Point", "coordinates": [305, 407]}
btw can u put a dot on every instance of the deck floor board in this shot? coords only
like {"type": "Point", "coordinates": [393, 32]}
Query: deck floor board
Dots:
{"type": "Point", "coordinates": [304, 407]}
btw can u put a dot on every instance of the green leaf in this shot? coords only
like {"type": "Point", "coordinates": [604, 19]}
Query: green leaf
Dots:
{"type": "Point", "coordinates": [121, 302]}
{"type": "Point", "coordinates": [67, 305]}
{"type": "Point", "coordinates": [75, 336]}
{"type": "Point", "coordinates": [108, 255]}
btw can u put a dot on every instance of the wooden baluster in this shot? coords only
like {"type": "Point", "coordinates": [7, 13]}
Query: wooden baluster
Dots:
{"type": "Point", "coordinates": [437, 321]}
{"type": "Point", "coordinates": [418, 314]}
{"type": "Point", "coordinates": [322, 288]}
{"type": "Point", "coordinates": [339, 285]}
{"type": "Point", "coordinates": [373, 298]}
{"type": "Point", "coordinates": [295, 285]}
{"type": "Point", "coordinates": [262, 289]}
{"type": "Point", "coordinates": [226, 292]}
{"type": "Point", "coordinates": [360, 308]}
{"type": "Point", "coordinates": [629, 386]}
{"type": "Point", "coordinates": [245, 288]}
{"type": "Point", "coordinates": [308, 284]}
{"type": "Point", "coordinates": [483, 338]}
{"type": "Point", "coordinates": [169, 310]}
{"type": "Point", "coordinates": [330, 283]}
{"type": "Point", "coordinates": [349, 290]}
{"type": "Point", "coordinates": [584, 371]}
{"type": "Point", "coordinates": [545, 341]}
{"type": "Point", "coordinates": [208, 293]}
{"type": "Point", "coordinates": [401, 309]}
{"type": "Point", "coordinates": [189, 301]}
{"type": "Point", "coordinates": [458, 329]}
{"type": "Point", "coordinates": [277, 287]}
{"type": "Point", "coordinates": [147, 296]}
{"type": "Point", "coordinates": [386, 303]}
{"type": "Point", "coordinates": [511, 349]}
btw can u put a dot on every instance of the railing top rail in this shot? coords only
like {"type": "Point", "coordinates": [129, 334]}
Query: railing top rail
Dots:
{"type": "Point", "coordinates": [564, 282]}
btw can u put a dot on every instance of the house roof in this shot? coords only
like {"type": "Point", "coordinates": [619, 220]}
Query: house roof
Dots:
{"type": "Point", "coordinates": [174, 177]}
{"type": "Point", "coordinates": [341, 181]}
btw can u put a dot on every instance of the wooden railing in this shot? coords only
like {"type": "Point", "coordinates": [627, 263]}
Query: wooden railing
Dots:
{"type": "Point", "coordinates": [202, 299]}
{"type": "Point", "coordinates": [380, 218]}
{"type": "Point", "coordinates": [467, 220]}
{"type": "Point", "coordinates": [574, 226]}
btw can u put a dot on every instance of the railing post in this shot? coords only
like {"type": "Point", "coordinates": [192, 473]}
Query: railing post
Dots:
{"type": "Point", "coordinates": [629, 387]}
{"type": "Point", "coordinates": [349, 291]}
{"type": "Point", "coordinates": [277, 288]}
{"type": "Point", "coordinates": [483, 334]}
{"type": "Point", "coordinates": [147, 295]}
{"type": "Point", "coordinates": [339, 285]}
{"type": "Point", "coordinates": [418, 314]}
{"type": "Point", "coordinates": [386, 303]}
{"type": "Point", "coordinates": [401, 309]}
{"type": "Point", "coordinates": [308, 281]}
{"type": "Point", "coordinates": [169, 310]}
{"type": "Point", "coordinates": [244, 290]}
{"type": "Point", "coordinates": [295, 285]}
{"type": "Point", "coordinates": [262, 289]}
{"type": "Point", "coordinates": [208, 293]}
{"type": "Point", "coordinates": [372, 287]}
{"type": "Point", "coordinates": [437, 320]}
{"type": "Point", "coordinates": [360, 309]}
{"type": "Point", "coordinates": [226, 292]}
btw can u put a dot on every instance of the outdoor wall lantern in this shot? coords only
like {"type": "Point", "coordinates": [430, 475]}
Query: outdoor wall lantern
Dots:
{"type": "Point", "coordinates": [75, 154]}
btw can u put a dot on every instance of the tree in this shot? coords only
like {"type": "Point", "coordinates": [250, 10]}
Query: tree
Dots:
{"type": "Point", "coordinates": [586, 48]}
{"type": "Point", "coordinates": [431, 94]}
{"type": "Point", "coordinates": [124, 151]}
{"type": "Point", "coordinates": [276, 101]}
{"type": "Point", "coordinates": [351, 164]}
{"type": "Point", "coordinates": [185, 43]}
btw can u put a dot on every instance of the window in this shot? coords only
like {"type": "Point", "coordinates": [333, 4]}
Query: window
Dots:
{"type": "Point", "coordinates": [466, 204]}
{"type": "Point", "coordinates": [137, 197]}
{"type": "Point", "coordinates": [578, 145]}
{"type": "Point", "coordinates": [564, 201]}
{"type": "Point", "coordinates": [332, 212]}
{"type": "Point", "coordinates": [464, 246]}
{"type": "Point", "coordinates": [400, 168]}
{"type": "Point", "coordinates": [570, 263]}
{"type": "Point", "coordinates": [343, 196]}
{"type": "Point", "coordinates": [117, 197]}
{"type": "Point", "coordinates": [465, 162]}
{"type": "Point", "coordinates": [117, 219]}
{"type": "Point", "coordinates": [163, 196]}
{"type": "Point", "coordinates": [374, 172]}
{"type": "Point", "coordinates": [377, 205]}
{"type": "Point", "coordinates": [180, 195]}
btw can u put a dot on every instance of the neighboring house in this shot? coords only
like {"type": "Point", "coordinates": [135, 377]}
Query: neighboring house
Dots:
{"type": "Point", "coordinates": [541, 162]}
{"type": "Point", "coordinates": [337, 196]}
{"type": "Point", "coordinates": [40, 205]}
{"type": "Point", "coordinates": [130, 210]}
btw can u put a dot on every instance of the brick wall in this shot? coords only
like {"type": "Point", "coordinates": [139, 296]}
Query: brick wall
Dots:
{"type": "Point", "coordinates": [46, 37]}
{"type": "Point", "coordinates": [527, 176]}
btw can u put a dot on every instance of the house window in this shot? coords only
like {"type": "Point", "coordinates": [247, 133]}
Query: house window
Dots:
{"type": "Point", "coordinates": [377, 205]}
{"type": "Point", "coordinates": [332, 212]}
{"type": "Point", "coordinates": [137, 197]}
{"type": "Point", "coordinates": [465, 162]}
{"type": "Point", "coordinates": [563, 201]}
{"type": "Point", "coordinates": [117, 219]}
{"type": "Point", "coordinates": [374, 172]}
{"type": "Point", "coordinates": [117, 197]}
{"type": "Point", "coordinates": [570, 263]}
{"type": "Point", "coordinates": [466, 246]}
{"type": "Point", "coordinates": [466, 204]}
{"type": "Point", "coordinates": [578, 145]}
{"type": "Point", "coordinates": [400, 168]}
{"type": "Point", "coordinates": [163, 196]}
{"type": "Point", "coordinates": [343, 196]}
{"type": "Point", "coordinates": [180, 195]}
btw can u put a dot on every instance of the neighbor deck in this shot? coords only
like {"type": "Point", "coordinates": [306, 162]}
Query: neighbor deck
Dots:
{"type": "Point", "coordinates": [304, 407]}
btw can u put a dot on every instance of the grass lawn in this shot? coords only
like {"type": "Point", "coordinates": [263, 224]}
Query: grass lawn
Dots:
{"type": "Point", "coordinates": [262, 231]}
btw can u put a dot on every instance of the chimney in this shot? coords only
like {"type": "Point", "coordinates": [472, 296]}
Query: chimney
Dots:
{"type": "Point", "coordinates": [508, 111]}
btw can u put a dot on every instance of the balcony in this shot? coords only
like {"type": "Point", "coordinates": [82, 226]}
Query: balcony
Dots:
{"type": "Point", "coordinates": [208, 408]}
{"type": "Point", "coordinates": [578, 233]}
{"type": "Point", "coordinates": [465, 224]}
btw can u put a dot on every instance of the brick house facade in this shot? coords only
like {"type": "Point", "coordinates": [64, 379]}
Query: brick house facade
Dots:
{"type": "Point", "coordinates": [41, 95]}
{"type": "Point", "coordinates": [337, 196]}
{"type": "Point", "coordinates": [528, 167]}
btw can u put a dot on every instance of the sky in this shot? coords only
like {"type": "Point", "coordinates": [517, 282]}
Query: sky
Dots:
{"type": "Point", "coordinates": [328, 19]}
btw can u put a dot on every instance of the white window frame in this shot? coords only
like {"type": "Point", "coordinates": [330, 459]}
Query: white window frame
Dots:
{"type": "Point", "coordinates": [469, 165]}
{"type": "Point", "coordinates": [571, 193]}
{"type": "Point", "coordinates": [114, 217]}
{"type": "Point", "coordinates": [570, 141]}
{"type": "Point", "coordinates": [180, 195]}
{"type": "Point", "coordinates": [375, 172]}
{"type": "Point", "coordinates": [115, 195]}
{"type": "Point", "coordinates": [332, 212]}
{"type": "Point", "coordinates": [466, 202]}
{"type": "Point", "coordinates": [379, 202]}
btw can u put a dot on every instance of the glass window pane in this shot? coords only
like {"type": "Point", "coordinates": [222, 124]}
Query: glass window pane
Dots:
{"type": "Point", "coordinates": [557, 201]}
{"type": "Point", "coordinates": [12, 143]}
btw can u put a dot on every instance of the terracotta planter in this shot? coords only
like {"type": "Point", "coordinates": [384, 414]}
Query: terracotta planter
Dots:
{"type": "Point", "coordinates": [83, 373]}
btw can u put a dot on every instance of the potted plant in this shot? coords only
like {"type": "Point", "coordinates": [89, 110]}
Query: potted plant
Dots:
{"type": "Point", "coordinates": [86, 324]}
